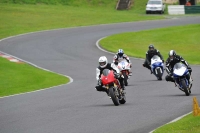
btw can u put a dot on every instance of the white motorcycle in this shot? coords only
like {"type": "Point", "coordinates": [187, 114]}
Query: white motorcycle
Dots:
{"type": "Point", "coordinates": [124, 67]}
{"type": "Point", "coordinates": [180, 72]}
{"type": "Point", "coordinates": [157, 67]}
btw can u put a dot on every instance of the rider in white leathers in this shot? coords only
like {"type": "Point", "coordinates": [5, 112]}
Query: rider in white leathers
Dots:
{"type": "Point", "coordinates": [119, 56]}
{"type": "Point", "coordinates": [103, 64]}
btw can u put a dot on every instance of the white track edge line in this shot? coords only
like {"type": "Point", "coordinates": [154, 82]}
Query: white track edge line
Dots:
{"type": "Point", "coordinates": [71, 80]}
{"type": "Point", "coordinates": [97, 44]}
{"type": "Point", "coordinates": [172, 121]}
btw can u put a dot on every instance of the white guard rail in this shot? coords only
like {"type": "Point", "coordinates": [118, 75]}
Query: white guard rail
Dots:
{"type": "Point", "coordinates": [176, 9]}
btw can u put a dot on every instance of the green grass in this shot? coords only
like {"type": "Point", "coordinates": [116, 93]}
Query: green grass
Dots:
{"type": "Point", "coordinates": [183, 39]}
{"type": "Point", "coordinates": [19, 78]}
{"type": "Point", "coordinates": [52, 14]}
{"type": "Point", "coordinates": [188, 124]}
{"type": "Point", "coordinates": [16, 19]}
{"type": "Point", "coordinates": [40, 15]}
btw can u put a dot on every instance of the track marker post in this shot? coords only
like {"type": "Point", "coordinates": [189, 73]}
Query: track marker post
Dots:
{"type": "Point", "coordinates": [196, 109]}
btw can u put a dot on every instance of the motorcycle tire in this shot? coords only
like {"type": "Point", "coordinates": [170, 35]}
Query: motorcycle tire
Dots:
{"type": "Point", "coordinates": [184, 86]}
{"type": "Point", "coordinates": [125, 79]}
{"type": "Point", "coordinates": [113, 96]}
{"type": "Point", "coordinates": [159, 75]}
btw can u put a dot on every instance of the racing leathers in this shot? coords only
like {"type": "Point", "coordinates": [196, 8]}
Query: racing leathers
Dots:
{"type": "Point", "coordinates": [149, 55]}
{"type": "Point", "coordinates": [170, 65]}
{"type": "Point", "coordinates": [99, 71]}
{"type": "Point", "coordinates": [117, 59]}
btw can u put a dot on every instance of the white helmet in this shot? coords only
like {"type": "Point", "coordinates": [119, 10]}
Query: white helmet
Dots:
{"type": "Point", "coordinates": [103, 61]}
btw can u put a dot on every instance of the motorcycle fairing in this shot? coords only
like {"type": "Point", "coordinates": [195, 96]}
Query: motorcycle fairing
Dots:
{"type": "Point", "coordinates": [180, 70]}
{"type": "Point", "coordinates": [107, 77]}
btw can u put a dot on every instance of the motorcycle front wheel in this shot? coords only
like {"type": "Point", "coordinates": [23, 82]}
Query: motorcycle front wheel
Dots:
{"type": "Point", "coordinates": [184, 86]}
{"type": "Point", "coordinates": [125, 79]}
{"type": "Point", "coordinates": [113, 95]}
{"type": "Point", "coordinates": [159, 74]}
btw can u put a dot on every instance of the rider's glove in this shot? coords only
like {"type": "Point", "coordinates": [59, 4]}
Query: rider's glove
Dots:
{"type": "Point", "coordinates": [189, 69]}
{"type": "Point", "coordinates": [116, 63]}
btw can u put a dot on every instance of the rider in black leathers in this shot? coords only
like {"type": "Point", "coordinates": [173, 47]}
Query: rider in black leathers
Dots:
{"type": "Point", "coordinates": [103, 64]}
{"type": "Point", "coordinates": [149, 54]}
{"type": "Point", "coordinates": [171, 61]}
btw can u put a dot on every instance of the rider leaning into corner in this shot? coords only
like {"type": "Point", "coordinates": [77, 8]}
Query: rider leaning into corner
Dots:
{"type": "Point", "coordinates": [171, 61]}
{"type": "Point", "coordinates": [119, 56]}
{"type": "Point", "coordinates": [149, 54]}
{"type": "Point", "coordinates": [103, 64]}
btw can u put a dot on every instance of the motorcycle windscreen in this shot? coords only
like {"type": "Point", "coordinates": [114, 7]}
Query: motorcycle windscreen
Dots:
{"type": "Point", "coordinates": [123, 65]}
{"type": "Point", "coordinates": [156, 61]}
{"type": "Point", "coordinates": [155, 57]}
{"type": "Point", "coordinates": [179, 69]}
{"type": "Point", "coordinates": [107, 76]}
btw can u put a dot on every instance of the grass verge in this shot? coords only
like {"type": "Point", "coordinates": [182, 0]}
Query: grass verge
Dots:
{"type": "Point", "coordinates": [188, 124]}
{"type": "Point", "coordinates": [183, 39]}
{"type": "Point", "coordinates": [22, 18]}
{"type": "Point", "coordinates": [17, 19]}
{"type": "Point", "coordinates": [21, 77]}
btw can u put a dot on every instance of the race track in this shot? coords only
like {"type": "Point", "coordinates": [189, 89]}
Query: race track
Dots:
{"type": "Point", "coordinates": [78, 107]}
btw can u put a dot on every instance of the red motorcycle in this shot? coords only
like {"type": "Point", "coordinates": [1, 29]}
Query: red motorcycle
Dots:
{"type": "Point", "coordinates": [113, 87]}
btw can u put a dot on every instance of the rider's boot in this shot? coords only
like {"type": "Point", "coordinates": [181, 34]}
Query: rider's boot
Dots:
{"type": "Point", "coordinates": [123, 87]}
{"type": "Point", "coordinates": [175, 84]}
{"type": "Point", "coordinates": [149, 69]}
{"type": "Point", "coordinates": [190, 80]}
{"type": "Point", "coordinates": [130, 73]}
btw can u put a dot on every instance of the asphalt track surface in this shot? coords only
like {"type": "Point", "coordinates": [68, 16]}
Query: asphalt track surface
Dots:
{"type": "Point", "coordinates": [77, 107]}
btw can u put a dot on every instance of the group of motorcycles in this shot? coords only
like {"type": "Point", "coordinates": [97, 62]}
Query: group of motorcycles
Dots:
{"type": "Point", "coordinates": [117, 94]}
{"type": "Point", "coordinates": [179, 74]}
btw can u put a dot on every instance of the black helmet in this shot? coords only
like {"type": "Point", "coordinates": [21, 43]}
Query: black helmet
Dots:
{"type": "Point", "coordinates": [151, 47]}
{"type": "Point", "coordinates": [172, 54]}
